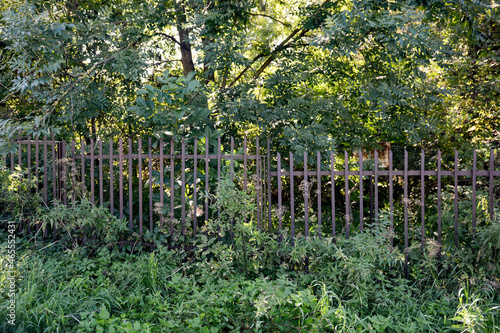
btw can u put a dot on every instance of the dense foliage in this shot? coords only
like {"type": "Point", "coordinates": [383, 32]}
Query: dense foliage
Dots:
{"type": "Point", "coordinates": [407, 72]}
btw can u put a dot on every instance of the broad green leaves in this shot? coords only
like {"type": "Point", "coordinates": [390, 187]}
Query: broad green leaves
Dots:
{"type": "Point", "coordinates": [176, 107]}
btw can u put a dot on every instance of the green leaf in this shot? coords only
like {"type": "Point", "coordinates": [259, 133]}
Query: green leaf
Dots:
{"type": "Point", "coordinates": [104, 314]}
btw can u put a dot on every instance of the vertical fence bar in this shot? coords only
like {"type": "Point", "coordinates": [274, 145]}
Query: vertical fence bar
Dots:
{"type": "Point", "coordinates": [207, 176]}
{"type": "Point", "coordinates": [492, 167]}
{"type": "Point", "coordinates": [92, 180]}
{"type": "Point", "coordinates": [245, 163]}
{"type": "Point", "coordinates": [183, 189]}
{"type": "Point", "coordinates": [292, 201]}
{"type": "Point", "coordinates": [5, 212]}
{"type": "Point", "coordinates": [257, 181]}
{"type": "Point", "coordinates": [370, 182]}
{"type": "Point", "coordinates": [347, 200]}
{"type": "Point", "coordinates": [162, 187]}
{"type": "Point", "coordinates": [29, 156]}
{"type": "Point", "coordinates": [130, 183]}
{"type": "Point", "coordinates": [64, 171]}
{"type": "Point", "coordinates": [195, 186]}
{"type": "Point", "coordinates": [474, 179]}
{"type": "Point", "coordinates": [439, 202]}
{"type": "Point", "coordinates": [82, 164]}
{"type": "Point", "coordinates": [45, 175]}
{"type": "Point", "coordinates": [20, 151]}
{"type": "Point", "coordinates": [332, 185]}
{"type": "Point", "coordinates": [262, 191]}
{"type": "Point", "coordinates": [269, 197]}
{"type": "Point", "coordinates": [391, 196]}
{"type": "Point", "coordinates": [54, 167]}
{"type": "Point", "coordinates": [306, 197]}
{"type": "Point", "coordinates": [231, 153]}
{"type": "Point", "coordinates": [139, 184]}
{"type": "Point", "coordinates": [45, 193]}
{"type": "Point", "coordinates": [150, 174]}
{"type": "Point", "coordinates": [60, 177]}
{"type": "Point", "coordinates": [120, 171]}
{"type": "Point", "coordinates": [376, 185]}
{"type": "Point", "coordinates": [37, 164]}
{"type": "Point", "coordinates": [219, 163]}
{"type": "Point", "coordinates": [12, 157]}
{"type": "Point", "coordinates": [101, 177]}
{"type": "Point", "coordinates": [73, 161]}
{"type": "Point", "coordinates": [405, 205]}
{"type": "Point", "coordinates": [232, 158]}
{"type": "Point", "coordinates": [361, 218]}
{"type": "Point", "coordinates": [111, 182]}
{"type": "Point", "coordinates": [422, 198]}
{"type": "Point", "coordinates": [19, 154]}
{"type": "Point", "coordinates": [280, 203]}
{"type": "Point", "coordinates": [172, 185]}
{"type": "Point", "coordinates": [455, 199]}
{"type": "Point", "coordinates": [318, 176]}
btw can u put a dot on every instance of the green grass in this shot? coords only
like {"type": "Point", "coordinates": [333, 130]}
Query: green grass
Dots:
{"type": "Point", "coordinates": [349, 287]}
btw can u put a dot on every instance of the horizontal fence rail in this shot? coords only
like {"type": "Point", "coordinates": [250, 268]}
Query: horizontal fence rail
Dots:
{"type": "Point", "coordinates": [153, 183]}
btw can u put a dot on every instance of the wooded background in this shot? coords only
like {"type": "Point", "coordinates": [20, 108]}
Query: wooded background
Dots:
{"type": "Point", "coordinates": [312, 75]}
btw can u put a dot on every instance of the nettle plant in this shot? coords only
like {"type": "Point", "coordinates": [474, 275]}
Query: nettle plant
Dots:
{"type": "Point", "coordinates": [17, 193]}
{"type": "Point", "coordinates": [81, 222]}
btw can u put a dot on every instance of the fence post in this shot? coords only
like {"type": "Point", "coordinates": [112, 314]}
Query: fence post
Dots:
{"type": "Point", "coordinates": [361, 222]}
{"type": "Point", "coordinates": [101, 176]}
{"type": "Point", "coordinates": [183, 189]}
{"type": "Point", "coordinates": [318, 176]}
{"type": "Point", "coordinates": [456, 199]}
{"type": "Point", "coordinates": [405, 207]}
{"type": "Point", "coordinates": [92, 166]}
{"type": "Point", "coordinates": [439, 203]}
{"type": "Point", "coordinates": [207, 176]}
{"type": "Point", "coordinates": [391, 203]}
{"type": "Point", "coordinates": [422, 198]}
{"type": "Point", "coordinates": [120, 171]}
{"type": "Point", "coordinates": [292, 200]}
{"type": "Point", "coordinates": [306, 197]}
{"type": "Point", "coordinates": [376, 185]}
{"type": "Point", "coordinates": [280, 207]}
{"type": "Point", "coordinates": [111, 182]}
{"type": "Point", "coordinates": [139, 185]}
{"type": "Point", "coordinates": [130, 184]}
{"type": "Point", "coordinates": [150, 174]}
{"type": "Point", "coordinates": [332, 185]}
{"type": "Point", "coordinates": [269, 198]}
{"type": "Point", "coordinates": [492, 167]}
{"type": "Point", "coordinates": [195, 186]}
{"type": "Point", "coordinates": [347, 200]}
{"type": "Point", "coordinates": [474, 179]}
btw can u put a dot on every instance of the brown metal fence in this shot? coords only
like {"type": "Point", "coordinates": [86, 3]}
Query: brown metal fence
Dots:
{"type": "Point", "coordinates": [138, 179]}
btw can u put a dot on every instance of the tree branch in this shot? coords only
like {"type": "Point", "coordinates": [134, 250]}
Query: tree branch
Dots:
{"type": "Point", "coordinates": [246, 69]}
{"type": "Point", "coordinates": [165, 61]}
{"type": "Point", "coordinates": [272, 18]}
{"type": "Point", "coordinates": [91, 69]}
{"type": "Point", "coordinates": [276, 50]}
{"type": "Point", "coordinates": [172, 38]}
{"type": "Point", "coordinates": [279, 48]}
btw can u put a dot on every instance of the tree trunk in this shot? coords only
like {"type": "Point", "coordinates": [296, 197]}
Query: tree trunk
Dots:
{"type": "Point", "coordinates": [186, 55]}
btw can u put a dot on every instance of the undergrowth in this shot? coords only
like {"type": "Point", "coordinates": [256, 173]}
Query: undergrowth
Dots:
{"type": "Point", "coordinates": [234, 277]}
